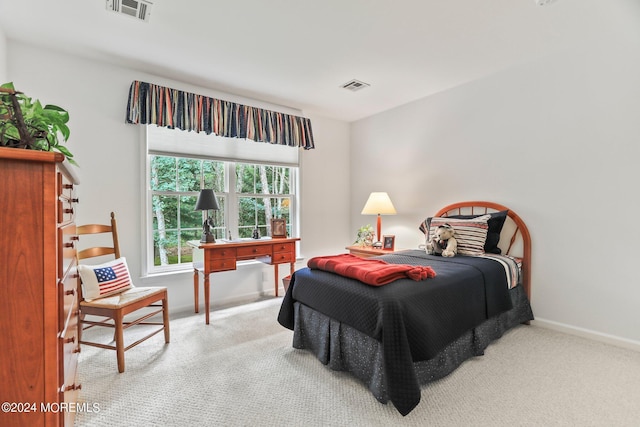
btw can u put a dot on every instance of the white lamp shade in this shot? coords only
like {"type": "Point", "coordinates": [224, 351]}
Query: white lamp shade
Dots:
{"type": "Point", "coordinates": [378, 203]}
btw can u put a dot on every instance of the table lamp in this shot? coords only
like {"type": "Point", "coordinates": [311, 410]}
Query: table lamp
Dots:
{"type": "Point", "coordinates": [207, 201]}
{"type": "Point", "coordinates": [378, 203]}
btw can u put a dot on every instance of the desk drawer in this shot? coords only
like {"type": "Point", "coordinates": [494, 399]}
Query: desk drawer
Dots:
{"type": "Point", "coordinates": [223, 264]}
{"type": "Point", "coordinates": [283, 247]}
{"type": "Point", "coordinates": [282, 257]}
{"type": "Point", "coordinates": [222, 259]}
{"type": "Point", "coordinates": [254, 251]}
{"type": "Point", "coordinates": [221, 253]}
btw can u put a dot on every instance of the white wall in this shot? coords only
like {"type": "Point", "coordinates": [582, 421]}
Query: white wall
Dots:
{"type": "Point", "coordinates": [557, 141]}
{"type": "Point", "coordinates": [325, 189]}
{"type": "Point", "coordinates": [109, 154]}
{"type": "Point", "coordinates": [3, 57]}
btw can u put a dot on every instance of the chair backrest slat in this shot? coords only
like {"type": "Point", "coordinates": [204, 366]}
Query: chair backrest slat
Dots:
{"type": "Point", "coordinates": [93, 229]}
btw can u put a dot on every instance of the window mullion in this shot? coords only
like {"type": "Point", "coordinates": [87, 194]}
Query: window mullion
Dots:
{"type": "Point", "coordinates": [231, 212]}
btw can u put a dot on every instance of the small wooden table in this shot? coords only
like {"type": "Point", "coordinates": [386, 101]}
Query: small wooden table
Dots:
{"type": "Point", "coordinates": [367, 251]}
{"type": "Point", "coordinates": [223, 256]}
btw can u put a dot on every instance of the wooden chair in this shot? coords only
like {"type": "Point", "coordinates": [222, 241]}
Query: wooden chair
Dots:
{"type": "Point", "coordinates": [114, 308]}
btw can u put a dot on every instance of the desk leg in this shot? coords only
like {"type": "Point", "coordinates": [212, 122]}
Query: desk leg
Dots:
{"type": "Point", "coordinates": [196, 293]}
{"type": "Point", "coordinates": [275, 273]}
{"type": "Point", "coordinates": [206, 298]}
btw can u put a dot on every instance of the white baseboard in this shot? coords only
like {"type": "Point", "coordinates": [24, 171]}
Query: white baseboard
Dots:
{"type": "Point", "coordinates": [587, 333]}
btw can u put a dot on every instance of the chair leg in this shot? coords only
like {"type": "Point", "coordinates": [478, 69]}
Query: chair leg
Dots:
{"type": "Point", "coordinates": [119, 337]}
{"type": "Point", "coordinates": [165, 318]}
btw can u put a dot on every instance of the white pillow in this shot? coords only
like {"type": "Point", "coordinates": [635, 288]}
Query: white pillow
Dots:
{"type": "Point", "coordinates": [471, 234]}
{"type": "Point", "coordinates": [106, 279]}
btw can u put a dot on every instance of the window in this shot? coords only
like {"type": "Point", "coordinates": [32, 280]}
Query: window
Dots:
{"type": "Point", "coordinates": [249, 194]}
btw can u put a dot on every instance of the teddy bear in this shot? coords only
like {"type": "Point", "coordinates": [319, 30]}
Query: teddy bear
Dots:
{"type": "Point", "coordinates": [442, 242]}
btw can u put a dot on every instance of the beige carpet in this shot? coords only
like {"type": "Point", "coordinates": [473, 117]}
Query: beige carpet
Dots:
{"type": "Point", "coordinates": [242, 371]}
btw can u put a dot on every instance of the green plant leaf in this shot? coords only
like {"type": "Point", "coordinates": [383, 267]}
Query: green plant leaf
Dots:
{"type": "Point", "coordinates": [43, 126]}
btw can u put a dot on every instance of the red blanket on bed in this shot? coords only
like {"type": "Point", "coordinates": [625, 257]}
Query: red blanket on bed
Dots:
{"type": "Point", "coordinates": [373, 272]}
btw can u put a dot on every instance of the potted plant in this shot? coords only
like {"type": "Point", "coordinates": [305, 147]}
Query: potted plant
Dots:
{"type": "Point", "coordinates": [25, 123]}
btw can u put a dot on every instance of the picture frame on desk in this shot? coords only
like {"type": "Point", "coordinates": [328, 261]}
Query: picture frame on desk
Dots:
{"type": "Point", "coordinates": [388, 242]}
{"type": "Point", "coordinates": [278, 228]}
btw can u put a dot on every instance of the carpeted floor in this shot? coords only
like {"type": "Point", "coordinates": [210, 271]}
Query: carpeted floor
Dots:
{"type": "Point", "coordinates": [242, 371]}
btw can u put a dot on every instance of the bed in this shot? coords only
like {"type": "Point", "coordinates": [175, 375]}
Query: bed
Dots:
{"type": "Point", "coordinates": [397, 337]}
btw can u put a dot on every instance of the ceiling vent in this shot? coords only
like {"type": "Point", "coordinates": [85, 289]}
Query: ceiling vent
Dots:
{"type": "Point", "coordinates": [139, 9]}
{"type": "Point", "coordinates": [355, 85]}
{"type": "Point", "coordinates": [544, 2]}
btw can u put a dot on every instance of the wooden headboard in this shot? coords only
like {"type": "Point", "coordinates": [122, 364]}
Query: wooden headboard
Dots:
{"type": "Point", "coordinates": [515, 239]}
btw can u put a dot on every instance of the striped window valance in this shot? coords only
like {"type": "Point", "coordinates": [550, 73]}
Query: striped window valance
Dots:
{"type": "Point", "coordinates": [163, 106]}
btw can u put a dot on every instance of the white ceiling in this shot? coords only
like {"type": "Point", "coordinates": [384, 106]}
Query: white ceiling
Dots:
{"type": "Point", "coordinates": [298, 53]}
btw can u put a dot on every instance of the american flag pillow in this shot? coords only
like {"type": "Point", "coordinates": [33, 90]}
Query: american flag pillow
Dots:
{"type": "Point", "coordinates": [106, 279]}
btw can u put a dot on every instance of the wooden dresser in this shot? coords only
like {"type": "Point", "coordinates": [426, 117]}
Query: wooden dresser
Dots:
{"type": "Point", "coordinates": [38, 289]}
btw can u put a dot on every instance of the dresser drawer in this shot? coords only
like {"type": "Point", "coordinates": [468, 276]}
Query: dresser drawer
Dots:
{"type": "Point", "coordinates": [67, 199]}
{"type": "Point", "coordinates": [70, 389]}
{"type": "Point", "coordinates": [68, 296]}
{"type": "Point", "coordinates": [254, 251]}
{"type": "Point", "coordinates": [70, 396]}
{"type": "Point", "coordinates": [67, 248]}
{"type": "Point", "coordinates": [283, 247]}
{"type": "Point", "coordinates": [66, 211]}
{"type": "Point", "coordinates": [70, 345]}
{"type": "Point", "coordinates": [66, 188]}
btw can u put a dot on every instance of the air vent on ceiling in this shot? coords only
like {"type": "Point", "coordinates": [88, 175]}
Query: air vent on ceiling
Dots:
{"type": "Point", "coordinates": [544, 2]}
{"type": "Point", "coordinates": [139, 9]}
{"type": "Point", "coordinates": [355, 85]}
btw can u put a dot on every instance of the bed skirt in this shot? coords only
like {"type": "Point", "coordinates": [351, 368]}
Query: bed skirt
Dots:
{"type": "Point", "coordinates": [344, 348]}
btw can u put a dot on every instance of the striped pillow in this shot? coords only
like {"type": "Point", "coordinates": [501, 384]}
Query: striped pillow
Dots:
{"type": "Point", "coordinates": [106, 279]}
{"type": "Point", "coordinates": [471, 234]}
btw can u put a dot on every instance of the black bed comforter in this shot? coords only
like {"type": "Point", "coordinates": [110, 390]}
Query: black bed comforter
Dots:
{"type": "Point", "coordinates": [413, 320]}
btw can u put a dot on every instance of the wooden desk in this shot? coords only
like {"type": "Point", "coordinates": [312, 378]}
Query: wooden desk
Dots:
{"type": "Point", "coordinates": [223, 256]}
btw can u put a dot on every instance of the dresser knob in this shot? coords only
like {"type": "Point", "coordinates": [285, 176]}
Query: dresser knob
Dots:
{"type": "Point", "coordinates": [70, 292]}
{"type": "Point", "coordinates": [68, 210]}
{"type": "Point", "coordinates": [70, 340]}
{"type": "Point", "coordinates": [73, 387]}
{"type": "Point", "coordinates": [68, 245]}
